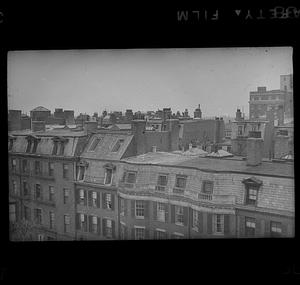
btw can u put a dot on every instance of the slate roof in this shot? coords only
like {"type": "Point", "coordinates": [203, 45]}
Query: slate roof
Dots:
{"type": "Point", "coordinates": [105, 146]}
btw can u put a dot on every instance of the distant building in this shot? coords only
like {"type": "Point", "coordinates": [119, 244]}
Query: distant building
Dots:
{"type": "Point", "coordinates": [242, 129]}
{"type": "Point", "coordinates": [18, 121]}
{"type": "Point", "coordinates": [198, 113]}
{"type": "Point", "coordinates": [284, 140]}
{"type": "Point", "coordinates": [279, 102]}
{"type": "Point", "coordinates": [40, 114]}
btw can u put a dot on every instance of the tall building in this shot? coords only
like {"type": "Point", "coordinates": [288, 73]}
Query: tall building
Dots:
{"type": "Point", "coordinates": [198, 113]}
{"type": "Point", "coordinates": [279, 102]}
{"type": "Point", "coordinates": [41, 181]}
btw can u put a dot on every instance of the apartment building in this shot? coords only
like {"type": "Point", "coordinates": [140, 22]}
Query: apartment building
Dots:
{"type": "Point", "coordinates": [164, 195]}
{"type": "Point", "coordinates": [41, 181]}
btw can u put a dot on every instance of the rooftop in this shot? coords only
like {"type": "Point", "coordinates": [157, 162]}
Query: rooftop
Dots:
{"type": "Point", "coordinates": [210, 164]}
{"type": "Point", "coordinates": [40, 108]}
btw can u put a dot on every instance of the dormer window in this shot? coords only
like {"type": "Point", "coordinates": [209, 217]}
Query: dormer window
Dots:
{"type": "Point", "coordinates": [129, 178]}
{"type": "Point", "coordinates": [59, 145]}
{"type": "Point", "coordinates": [252, 186]}
{"type": "Point", "coordinates": [180, 184]}
{"type": "Point", "coordinates": [94, 144]}
{"type": "Point", "coordinates": [55, 148]}
{"type": "Point", "coordinates": [117, 145]}
{"type": "Point", "coordinates": [162, 182]}
{"type": "Point", "coordinates": [207, 187]}
{"type": "Point", "coordinates": [32, 143]}
{"type": "Point", "coordinates": [108, 176]}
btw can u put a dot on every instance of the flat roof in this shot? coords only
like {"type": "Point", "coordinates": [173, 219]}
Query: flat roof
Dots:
{"type": "Point", "coordinates": [230, 164]}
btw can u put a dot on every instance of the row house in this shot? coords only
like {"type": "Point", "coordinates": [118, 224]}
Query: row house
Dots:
{"type": "Point", "coordinates": [42, 167]}
{"type": "Point", "coordinates": [168, 196]}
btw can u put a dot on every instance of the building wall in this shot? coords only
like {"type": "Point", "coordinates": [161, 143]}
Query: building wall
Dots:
{"type": "Point", "coordinates": [58, 207]}
{"type": "Point", "coordinates": [40, 115]}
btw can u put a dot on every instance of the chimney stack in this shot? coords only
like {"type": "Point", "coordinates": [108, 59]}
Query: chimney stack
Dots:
{"type": "Point", "coordinates": [238, 115]}
{"type": "Point", "coordinates": [90, 126]}
{"type": "Point", "coordinates": [154, 148]}
{"type": "Point", "coordinates": [173, 128]}
{"type": "Point", "coordinates": [38, 126]}
{"type": "Point", "coordinates": [254, 151]}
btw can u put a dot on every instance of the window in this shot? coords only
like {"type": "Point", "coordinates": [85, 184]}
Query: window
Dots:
{"type": "Point", "coordinates": [108, 228]}
{"type": "Point", "coordinates": [207, 187]}
{"type": "Point", "coordinates": [94, 225]}
{"type": "Point", "coordinates": [62, 149]}
{"type": "Point", "coordinates": [180, 182]}
{"type": "Point", "coordinates": [38, 216]}
{"type": "Point", "coordinates": [51, 168]}
{"type": "Point", "coordinates": [14, 164]}
{"type": "Point", "coordinates": [51, 193]}
{"type": "Point", "coordinates": [14, 188]}
{"type": "Point", "coordinates": [83, 222]}
{"type": "Point", "coordinates": [35, 143]}
{"type": "Point", "coordinates": [38, 192]}
{"type": "Point", "coordinates": [195, 220]}
{"type": "Point", "coordinates": [219, 224]}
{"type": "Point", "coordinates": [25, 188]}
{"type": "Point", "coordinates": [81, 173]}
{"type": "Point", "coordinates": [162, 182]}
{"type": "Point", "coordinates": [55, 148]}
{"type": "Point", "coordinates": [27, 213]}
{"type": "Point", "coordinates": [276, 229]}
{"type": "Point", "coordinates": [139, 209]}
{"type": "Point", "coordinates": [65, 170]}
{"type": "Point", "coordinates": [161, 213]}
{"type": "Point", "coordinates": [28, 148]}
{"type": "Point", "coordinates": [240, 130]}
{"type": "Point", "coordinates": [108, 176]}
{"type": "Point", "coordinates": [40, 237]}
{"type": "Point", "coordinates": [51, 220]}
{"type": "Point", "coordinates": [94, 144]}
{"type": "Point", "coordinates": [160, 234]}
{"type": "Point", "coordinates": [139, 233]}
{"type": "Point", "coordinates": [129, 178]}
{"type": "Point", "coordinates": [117, 145]}
{"type": "Point", "coordinates": [251, 195]}
{"type": "Point", "coordinates": [24, 165]}
{"type": "Point", "coordinates": [123, 233]}
{"type": "Point", "coordinates": [66, 223]}
{"type": "Point", "coordinates": [66, 195]}
{"type": "Point", "coordinates": [37, 168]}
{"type": "Point", "coordinates": [12, 212]}
{"type": "Point", "coordinates": [122, 207]}
{"type": "Point", "coordinates": [179, 217]}
{"type": "Point", "coordinates": [177, 236]}
{"type": "Point", "coordinates": [81, 197]}
{"type": "Point", "coordinates": [108, 201]}
{"type": "Point", "coordinates": [249, 227]}
{"type": "Point", "coordinates": [94, 199]}
{"type": "Point", "coordinates": [11, 142]}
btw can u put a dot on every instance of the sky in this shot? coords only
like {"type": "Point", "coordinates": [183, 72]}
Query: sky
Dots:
{"type": "Point", "coordinates": [88, 81]}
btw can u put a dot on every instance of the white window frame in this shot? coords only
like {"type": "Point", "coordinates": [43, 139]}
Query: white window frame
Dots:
{"type": "Point", "coordinates": [160, 231]}
{"type": "Point", "coordinates": [137, 209]}
{"type": "Point", "coordinates": [105, 176]}
{"type": "Point", "coordinates": [122, 207]}
{"type": "Point", "coordinates": [108, 201]}
{"type": "Point", "coordinates": [136, 229]}
{"type": "Point", "coordinates": [81, 168]}
{"type": "Point", "coordinates": [161, 212]}
{"type": "Point", "coordinates": [94, 198]}
{"type": "Point", "coordinates": [40, 237]}
{"type": "Point", "coordinates": [81, 196]}
{"type": "Point", "coordinates": [218, 221]}
{"type": "Point", "coordinates": [276, 229]}
{"type": "Point", "coordinates": [195, 221]}
{"type": "Point", "coordinates": [108, 228]}
{"type": "Point", "coordinates": [178, 235]}
{"type": "Point", "coordinates": [181, 214]}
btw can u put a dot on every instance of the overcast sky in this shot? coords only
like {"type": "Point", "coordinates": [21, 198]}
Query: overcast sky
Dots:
{"type": "Point", "coordinates": [218, 79]}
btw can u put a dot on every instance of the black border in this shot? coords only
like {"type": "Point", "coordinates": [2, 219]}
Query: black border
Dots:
{"type": "Point", "coordinates": [151, 26]}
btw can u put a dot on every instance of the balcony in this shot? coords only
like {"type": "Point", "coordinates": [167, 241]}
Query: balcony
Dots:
{"type": "Point", "coordinates": [177, 190]}
{"type": "Point", "coordinates": [126, 184]}
{"type": "Point", "coordinates": [204, 196]}
{"type": "Point", "coordinates": [254, 134]}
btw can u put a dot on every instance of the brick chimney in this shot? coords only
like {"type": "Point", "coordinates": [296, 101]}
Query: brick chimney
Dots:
{"type": "Point", "coordinates": [173, 128]}
{"type": "Point", "coordinates": [138, 128]}
{"type": "Point", "coordinates": [254, 151]}
{"type": "Point", "coordinates": [90, 126]}
{"type": "Point", "coordinates": [238, 115]}
{"type": "Point", "coordinates": [38, 126]}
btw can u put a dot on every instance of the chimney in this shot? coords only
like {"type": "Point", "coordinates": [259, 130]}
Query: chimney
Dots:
{"type": "Point", "coordinates": [190, 146]}
{"type": "Point", "coordinates": [261, 89]}
{"type": "Point", "coordinates": [138, 130]}
{"type": "Point", "coordinates": [90, 126]}
{"type": "Point", "coordinates": [173, 128]}
{"type": "Point", "coordinates": [154, 148]}
{"type": "Point", "coordinates": [238, 115]}
{"type": "Point", "coordinates": [38, 126]}
{"type": "Point", "coordinates": [254, 151]}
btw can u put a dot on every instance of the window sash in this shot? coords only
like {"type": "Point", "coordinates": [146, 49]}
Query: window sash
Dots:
{"type": "Point", "coordinates": [139, 209]}
{"type": "Point", "coordinates": [131, 177]}
{"type": "Point", "coordinates": [162, 180]}
{"type": "Point", "coordinates": [180, 182]}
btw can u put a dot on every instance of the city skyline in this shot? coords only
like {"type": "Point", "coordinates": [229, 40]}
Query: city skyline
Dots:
{"type": "Point", "coordinates": [144, 79]}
